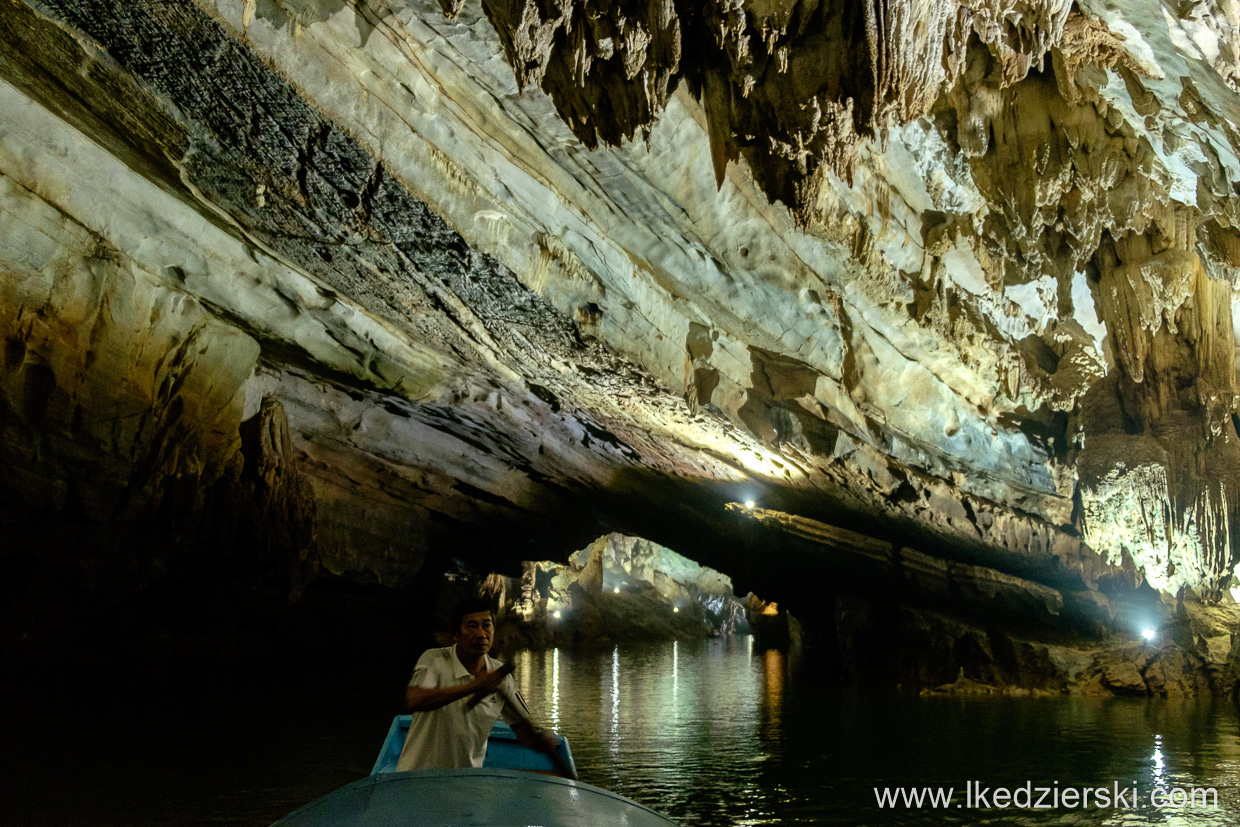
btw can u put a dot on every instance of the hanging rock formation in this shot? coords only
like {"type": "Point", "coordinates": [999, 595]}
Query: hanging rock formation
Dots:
{"type": "Point", "coordinates": [1067, 180]}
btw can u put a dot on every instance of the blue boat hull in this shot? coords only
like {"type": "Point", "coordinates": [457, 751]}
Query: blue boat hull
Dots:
{"type": "Point", "coordinates": [504, 751]}
{"type": "Point", "coordinates": [472, 798]}
{"type": "Point", "coordinates": [516, 786]}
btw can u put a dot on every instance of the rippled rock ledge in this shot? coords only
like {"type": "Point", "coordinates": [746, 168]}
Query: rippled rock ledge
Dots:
{"type": "Point", "coordinates": [892, 614]}
{"type": "Point", "coordinates": [301, 299]}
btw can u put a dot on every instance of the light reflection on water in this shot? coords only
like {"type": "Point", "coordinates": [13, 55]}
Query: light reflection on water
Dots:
{"type": "Point", "coordinates": [718, 733]}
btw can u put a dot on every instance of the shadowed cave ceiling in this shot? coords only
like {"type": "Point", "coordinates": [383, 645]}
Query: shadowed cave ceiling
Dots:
{"type": "Point", "coordinates": [957, 274]}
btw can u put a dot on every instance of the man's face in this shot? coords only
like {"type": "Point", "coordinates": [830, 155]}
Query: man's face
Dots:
{"type": "Point", "coordinates": [475, 633]}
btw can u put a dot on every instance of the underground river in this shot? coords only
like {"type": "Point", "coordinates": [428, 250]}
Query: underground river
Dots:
{"type": "Point", "coordinates": [715, 732]}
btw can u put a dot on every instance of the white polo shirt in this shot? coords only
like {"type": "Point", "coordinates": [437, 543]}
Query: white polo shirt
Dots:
{"type": "Point", "coordinates": [452, 737]}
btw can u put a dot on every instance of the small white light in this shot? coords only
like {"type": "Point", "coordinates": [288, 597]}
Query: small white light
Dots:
{"type": "Point", "coordinates": [675, 608]}
{"type": "Point", "coordinates": [616, 590]}
{"type": "Point", "coordinates": [1148, 634]}
{"type": "Point", "coordinates": [557, 614]}
{"type": "Point", "coordinates": [749, 504]}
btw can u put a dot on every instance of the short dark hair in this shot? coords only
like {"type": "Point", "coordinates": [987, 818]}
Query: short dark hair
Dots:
{"type": "Point", "coordinates": [469, 606]}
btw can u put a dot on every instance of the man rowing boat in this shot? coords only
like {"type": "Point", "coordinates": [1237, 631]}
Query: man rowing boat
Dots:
{"type": "Point", "coordinates": [448, 731]}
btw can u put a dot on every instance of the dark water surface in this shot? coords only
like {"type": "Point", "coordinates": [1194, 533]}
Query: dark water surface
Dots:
{"type": "Point", "coordinates": [709, 733]}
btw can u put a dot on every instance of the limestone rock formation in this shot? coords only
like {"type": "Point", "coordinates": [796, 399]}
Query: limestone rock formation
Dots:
{"type": "Point", "coordinates": [620, 588]}
{"type": "Point", "coordinates": [956, 278]}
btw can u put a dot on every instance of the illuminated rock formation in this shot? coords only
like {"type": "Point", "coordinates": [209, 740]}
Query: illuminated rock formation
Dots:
{"type": "Point", "coordinates": [618, 588]}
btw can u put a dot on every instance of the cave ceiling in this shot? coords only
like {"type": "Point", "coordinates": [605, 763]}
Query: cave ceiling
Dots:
{"type": "Point", "coordinates": [958, 270]}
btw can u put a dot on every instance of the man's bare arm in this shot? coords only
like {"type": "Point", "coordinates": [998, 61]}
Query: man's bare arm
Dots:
{"type": "Point", "coordinates": [427, 698]}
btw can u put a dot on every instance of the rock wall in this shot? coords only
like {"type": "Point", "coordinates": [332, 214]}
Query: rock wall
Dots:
{"type": "Point", "coordinates": [1069, 164]}
{"type": "Point", "coordinates": [868, 611]}
{"type": "Point", "coordinates": [959, 277]}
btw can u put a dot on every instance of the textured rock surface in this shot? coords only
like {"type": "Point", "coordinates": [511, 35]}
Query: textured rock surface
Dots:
{"type": "Point", "coordinates": [616, 588]}
{"type": "Point", "coordinates": [897, 615]}
{"type": "Point", "coordinates": [960, 276]}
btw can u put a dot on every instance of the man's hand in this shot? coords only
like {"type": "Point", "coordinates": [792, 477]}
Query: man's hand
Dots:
{"type": "Point", "coordinates": [547, 742]}
{"type": "Point", "coordinates": [539, 739]}
{"type": "Point", "coordinates": [488, 682]}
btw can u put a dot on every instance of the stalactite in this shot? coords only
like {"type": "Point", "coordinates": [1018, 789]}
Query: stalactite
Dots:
{"type": "Point", "coordinates": [792, 87]}
{"type": "Point", "coordinates": [1125, 502]}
